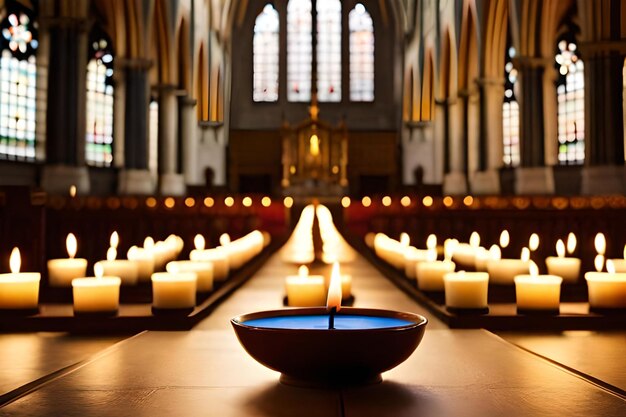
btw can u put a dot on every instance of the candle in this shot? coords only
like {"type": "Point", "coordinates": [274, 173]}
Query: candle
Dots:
{"type": "Point", "coordinates": [620, 264]}
{"type": "Point", "coordinates": [607, 290]}
{"type": "Point", "coordinates": [537, 293]}
{"type": "Point", "coordinates": [19, 291]}
{"type": "Point", "coordinates": [430, 274]}
{"type": "Point", "coordinates": [203, 271]}
{"type": "Point", "coordinates": [466, 290]}
{"type": "Point", "coordinates": [123, 268]}
{"type": "Point", "coordinates": [504, 271]}
{"type": "Point", "coordinates": [144, 258]}
{"type": "Point", "coordinates": [465, 254]}
{"type": "Point", "coordinates": [566, 268]}
{"type": "Point", "coordinates": [217, 257]}
{"type": "Point", "coordinates": [412, 257]}
{"type": "Point", "coordinates": [61, 272]}
{"type": "Point", "coordinates": [304, 290]}
{"type": "Point", "coordinates": [96, 295]}
{"type": "Point", "coordinates": [345, 280]}
{"type": "Point", "coordinates": [173, 291]}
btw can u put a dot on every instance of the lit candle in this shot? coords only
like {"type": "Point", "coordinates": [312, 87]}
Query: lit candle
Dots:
{"type": "Point", "coordinates": [607, 290]}
{"type": "Point", "coordinates": [346, 281]}
{"type": "Point", "coordinates": [333, 301]}
{"type": "Point", "coordinates": [412, 257]}
{"type": "Point", "coordinates": [19, 291]}
{"type": "Point", "coordinates": [533, 242]}
{"type": "Point", "coordinates": [96, 295]}
{"type": "Point", "coordinates": [144, 258]}
{"type": "Point", "coordinates": [566, 268]}
{"type": "Point", "coordinates": [504, 271]}
{"type": "Point", "coordinates": [173, 291]}
{"type": "Point", "coordinates": [203, 271]}
{"type": "Point", "coordinates": [430, 274]}
{"type": "Point", "coordinates": [537, 293]}
{"type": "Point", "coordinates": [217, 257]}
{"type": "Point", "coordinates": [304, 290]}
{"type": "Point", "coordinates": [620, 264]}
{"type": "Point", "coordinates": [466, 290]}
{"type": "Point", "coordinates": [61, 272]}
{"type": "Point", "coordinates": [127, 270]}
{"type": "Point", "coordinates": [465, 254]}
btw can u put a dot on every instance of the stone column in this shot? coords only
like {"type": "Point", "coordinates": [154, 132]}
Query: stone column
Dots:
{"type": "Point", "coordinates": [455, 179]}
{"type": "Point", "coordinates": [135, 178]}
{"type": "Point", "coordinates": [532, 177]}
{"type": "Point", "coordinates": [170, 181]}
{"type": "Point", "coordinates": [188, 130]}
{"type": "Point", "coordinates": [604, 171]}
{"type": "Point", "coordinates": [66, 105]}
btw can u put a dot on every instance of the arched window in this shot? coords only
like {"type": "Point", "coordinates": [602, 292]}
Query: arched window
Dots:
{"type": "Point", "coordinates": [571, 103]}
{"type": "Point", "coordinates": [299, 50]}
{"type": "Point", "coordinates": [328, 50]}
{"type": "Point", "coordinates": [510, 113]}
{"type": "Point", "coordinates": [265, 55]}
{"type": "Point", "coordinates": [99, 135]}
{"type": "Point", "coordinates": [361, 54]}
{"type": "Point", "coordinates": [18, 76]}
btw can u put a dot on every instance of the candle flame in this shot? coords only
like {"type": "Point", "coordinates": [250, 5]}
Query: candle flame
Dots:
{"type": "Point", "coordinates": [431, 255]}
{"type": "Point", "coordinates": [533, 269]}
{"type": "Point", "coordinates": [133, 252]}
{"type": "Point", "coordinates": [571, 243]}
{"type": "Point", "coordinates": [560, 249]}
{"type": "Point", "coordinates": [225, 239]}
{"type": "Point", "coordinates": [533, 242]}
{"type": "Point", "coordinates": [73, 191]}
{"type": "Point", "coordinates": [598, 262]}
{"type": "Point", "coordinates": [334, 289]}
{"type": "Point", "coordinates": [148, 243]}
{"type": "Point", "coordinates": [505, 239]}
{"type": "Point", "coordinates": [111, 254]}
{"type": "Point", "coordinates": [405, 239]}
{"type": "Point", "coordinates": [172, 268]}
{"type": "Point", "coordinates": [98, 270]}
{"type": "Point", "coordinates": [610, 266]}
{"type": "Point", "coordinates": [449, 246]}
{"type": "Point", "coordinates": [474, 240]}
{"type": "Point", "coordinates": [15, 261]}
{"type": "Point", "coordinates": [303, 271]}
{"type": "Point", "coordinates": [114, 240]}
{"type": "Point", "coordinates": [495, 252]}
{"type": "Point", "coordinates": [199, 242]}
{"type": "Point", "coordinates": [525, 256]}
{"type": "Point", "coordinates": [431, 241]}
{"type": "Point", "coordinates": [600, 243]}
{"type": "Point", "coordinates": [71, 245]}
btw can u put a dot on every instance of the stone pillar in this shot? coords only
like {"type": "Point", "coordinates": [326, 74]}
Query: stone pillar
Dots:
{"type": "Point", "coordinates": [455, 180]}
{"type": "Point", "coordinates": [188, 130]}
{"type": "Point", "coordinates": [66, 105]}
{"type": "Point", "coordinates": [532, 177]}
{"type": "Point", "coordinates": [170, 181]}
{"type": "Point", "coordinates": [604, 171]}
{"type": "Point", "coordinates": [135, 178]}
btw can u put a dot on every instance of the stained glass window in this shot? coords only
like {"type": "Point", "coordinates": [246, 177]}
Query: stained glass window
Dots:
{"type": "Point", "coordinates": [299, 50]}
{"type": "Point", "coordinates": [18, 76]}
{"type": "Point", "coordinates": [99, 135]}
{"type": "Point", "coordinates": [571, 103]}
{"type": "Point", "coordinates": [361, 54]}
{"type": "Point", "coordinates": [510, 113]}
{"type": "Point", "coordinates": [328, 50]}
{"type": "Point", "coordinates": [265, 54]}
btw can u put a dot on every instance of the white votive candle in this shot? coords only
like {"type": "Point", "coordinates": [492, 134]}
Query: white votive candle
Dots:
{"type": "Point", "coordinates": [430, 274]}
{"type": "Point", "coordinates": [538, 292]}
{"type": "Point", "coordinates": [304, 290]}
{"type": "Point", "coordinates": [96, 295]}
{"type": "Point", "coordinates": [566, 268]}
{"type": "Point", "coordinates": [606, 290]}
{"type": "Point", "coordinates": [466, 290]}
{"type": "Point", "coordinates": [173, 291]}
{"type": "Point", "coordinates": [19, 290]}
{"type": "Point", "coordinates": [203, 271]}
{"type": "Point", "coordinates": [217, 257]}
{"type": "Point", "coordinates": [127, 270]}
{"type": "Point", "coordinates": [504, 271]}
{"type": "Point", "coordinates": [61, 272]}
{"type": "Point", "coordinates": [620, 265]}
{"type": "Point", "coordinates": [144, 258]}
{"type": "Point", "coordinates": [413, 256]}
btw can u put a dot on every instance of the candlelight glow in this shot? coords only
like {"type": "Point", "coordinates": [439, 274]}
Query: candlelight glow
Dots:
{"type": "Point", "coordinates": [334, 290]}
{"type": "Point", "coordinates": [114, 240]}
{"type": "Point", "coordinates": [533, 269]}
{"type": "Point", "coordinates": [199, 242]}
{"type": "Point", "coordinates": [495, 252]}
{"type": "Point", "coordinates": [598, 262]}
{"type": "Point", "coordinates": [366, 201]}
{"type": "Point", "coordinates": [15, 261]}
{"type": "Point", "coordinates": [148, 243]}
{"type": "Point", "coordinates": [247, 202]}
{"type": "Point", "coordinates": [225, 239]}
{"type": "Point", "coordinates": [571, 243]}
{"type": "Point", "coordinates": [405, 239]}
{"type": "Point", "coordinates": [474, 240]}
{"type": "Point", "coordinates": [303, 271]}
{"type": "Point", "coordinates": [505, 239]}
{"type": "Point", "coordinates": [314, 145]}
{"type": "Point", "coordinates": [533, 242]}
{"type": "Point", "coordinates": [560, 249]}
{"type": "Point", "coordinates": [229, 201]}
{"type": "Point", "coordinates": [71, 245]}
{"type": "Point", "coordinates": [610, 266]}
{"type": "Point", "coordinates": [624, 251]}
{"type": "Point", "coordinates": [345, 202]}
{"type": "Point", "coordinates": [405, 201]}
{"type": "Point", "coordinates": [111, 254]}
{"type": "Point", "coordinates": [98, 270]}
{"type": "Point", "coordinates": [133, 252]}
{"type": "Point", "coordinates": [600, 243]}
{"type": "Point", "coordinates": [73, 191]}
{"type": "Point", "coordinates": [266, 201]}
{"type": "Point", "coordinates": [288, 202]}
{"type": "Point", "coordinates": [449, 246]}
{"type": "Point", "coordinates": [386, 201]}
{"type": "Point", "coordinates": [431, 255]}
{"type": "Point", "coordinates": [525, 256]}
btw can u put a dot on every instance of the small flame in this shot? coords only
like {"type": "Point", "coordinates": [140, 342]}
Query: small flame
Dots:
{"type": "Point", "coordinates": [15, 261]}
{"type": "Point", "coordinates": [533, 242]}
{"type": "Point", "coordinates": [610, 266]}
{"type": "Point", "coordinates": [172, 268]}
{"type": "Point", "coordinates": [98, 270]}
{"type": "Point", "coordinates": [449, 246]}
{"type": "Point", "coordinates": [495, 252]}
{"type": "Point", "coordinates": [199, 242]}
{"type": "Point", "coordinates": [571, 243]}
{"type": "Point", "coordinates": [71, 245]}
{"type": "Point", "coordinates": [600, 243]}
{"type": "Point", "coordinates": [405, 239]}
{"type": "Point", "coordinates": [148, 243]}
{"type": "Point", "coordinates": [132, 253]}
{"type": "Point", "coordinates": [111, 254]}
{"type": "Point", "coordinates": [431, 255]}
{"type": "Point", "coordinates": [598, 262]}
{"type": "Point", "coordinates": [560, 249]}
{"type": "Point", "coordinates": [303, 271]}
{"type": "Point", "coordinates": [533, 269]}
{"type": "Point", "coordinates": [73, 191]}
{"type": "Point", "coordinates": [225, 239]}
{"type": "Point", "coordinates": [525, 256]}
{"type": "Point", "coordinates": [431, 241]}
{"type": "Point", "coordinates": [505, 239]}
{"type": "Point", "coordinates": [474, 240]}
{"type": "Point", "coordinates": [624, 251]}
{"type": "Point", "coordinates": [334, 290]}
{"type": "Point", "coordinates": [114, 240]}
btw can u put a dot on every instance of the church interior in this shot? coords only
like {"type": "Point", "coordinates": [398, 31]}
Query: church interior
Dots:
{"type": "Point", "coordinates": [312, 207]}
